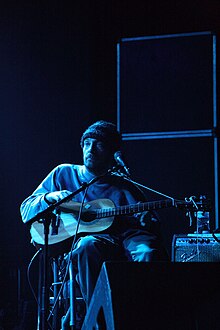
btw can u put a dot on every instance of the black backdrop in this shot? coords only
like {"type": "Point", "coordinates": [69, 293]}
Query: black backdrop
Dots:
{"type": "Point", "coordinates": [166, 113]}
{"type": "Point", "coordinates": [58, 74]}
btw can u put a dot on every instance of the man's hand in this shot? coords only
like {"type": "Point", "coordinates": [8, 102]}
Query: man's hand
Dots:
{"type": "Point", "coordinates": [56, 196]}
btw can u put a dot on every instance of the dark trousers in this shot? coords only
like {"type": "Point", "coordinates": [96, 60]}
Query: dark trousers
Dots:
{"type": "Point", "coordinates": [92, 250]}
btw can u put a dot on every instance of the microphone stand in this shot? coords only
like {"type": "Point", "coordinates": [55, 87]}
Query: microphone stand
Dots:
{"type": "Point", "coordinates": [46, 217]}
{"type": "Point", "coordinates": [148, 188]}
{"type": "Point", "coordinates": [187, 200]}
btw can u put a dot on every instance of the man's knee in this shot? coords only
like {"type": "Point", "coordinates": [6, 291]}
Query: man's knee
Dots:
{"type": "Point", "coordinates": [143, 253]}
{"type": "Point", "coordinates": [86, 241]}
{"type": "Point", "coordinates": [88, 244]}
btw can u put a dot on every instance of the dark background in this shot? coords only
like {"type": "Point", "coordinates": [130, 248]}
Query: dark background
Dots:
{"type": "Point", "coordinates": [58, 75]}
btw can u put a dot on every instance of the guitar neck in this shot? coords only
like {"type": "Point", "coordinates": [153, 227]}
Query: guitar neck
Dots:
{"type": "Point", "coordinates": [133, 208]}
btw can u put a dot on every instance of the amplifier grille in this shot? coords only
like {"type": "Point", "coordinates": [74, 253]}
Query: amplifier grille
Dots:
{"type": "Point", "coordinates": [196, 248]}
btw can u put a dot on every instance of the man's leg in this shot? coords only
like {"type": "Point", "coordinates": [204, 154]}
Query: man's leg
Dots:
{"type": "Point", "coordinates": [144, 247]}
{"type": "Point", "coordinates": [90, 253]}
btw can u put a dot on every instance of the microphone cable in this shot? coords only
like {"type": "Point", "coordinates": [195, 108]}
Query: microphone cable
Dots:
{"type": "Point", "coordinates": [70, 255]}
{"type": "Point", "coordinates": [28, 275]}
{"type": "Point", "coordinates": [29, 280]}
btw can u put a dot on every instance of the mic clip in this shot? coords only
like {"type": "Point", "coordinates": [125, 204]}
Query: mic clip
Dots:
{"type": "Point", "coordinates": [55, 223]}
{"type": "Point", "coordinates": [124, 171]}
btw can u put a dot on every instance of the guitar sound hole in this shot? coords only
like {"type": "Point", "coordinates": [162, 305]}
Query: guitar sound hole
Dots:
{"type": "Point", "coordinates": [88, 216]}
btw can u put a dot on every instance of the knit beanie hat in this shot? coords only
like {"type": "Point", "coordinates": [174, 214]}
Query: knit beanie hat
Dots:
{"type": "Point", "coordinates": [103, 131]}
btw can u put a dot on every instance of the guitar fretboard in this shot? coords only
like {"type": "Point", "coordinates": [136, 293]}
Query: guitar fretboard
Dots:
{"type": "Point", "coordinates": [133, 208]}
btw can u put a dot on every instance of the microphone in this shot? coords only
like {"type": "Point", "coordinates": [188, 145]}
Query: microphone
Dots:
{"type": "Point", "coordinates": [119, 161]}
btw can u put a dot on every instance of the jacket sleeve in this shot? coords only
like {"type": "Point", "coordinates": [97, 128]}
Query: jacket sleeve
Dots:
{"type": "Point", "coordinates": [36, 203]}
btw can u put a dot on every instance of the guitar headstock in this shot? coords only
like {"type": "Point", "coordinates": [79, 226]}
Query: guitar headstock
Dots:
{"type": "Point", "coordinates": [195, 204]}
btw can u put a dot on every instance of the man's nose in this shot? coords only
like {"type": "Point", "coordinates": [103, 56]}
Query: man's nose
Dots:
{"type": "Point", "coordinates": [92, 147]}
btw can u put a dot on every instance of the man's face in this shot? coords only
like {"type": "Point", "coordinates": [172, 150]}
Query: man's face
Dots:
{"type": "Point", "coordinates": [96, 156]}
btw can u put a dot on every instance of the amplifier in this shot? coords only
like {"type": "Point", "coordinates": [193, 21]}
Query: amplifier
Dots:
{"type": "Point", "coordinates": [196, 248]}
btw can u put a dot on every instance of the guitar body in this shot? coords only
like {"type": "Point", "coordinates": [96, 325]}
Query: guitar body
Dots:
{"type": "Point", "coordinates": [68, 221]}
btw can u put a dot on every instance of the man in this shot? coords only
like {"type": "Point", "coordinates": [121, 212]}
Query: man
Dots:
{"type": "Point", "coordinates": [127, 238]}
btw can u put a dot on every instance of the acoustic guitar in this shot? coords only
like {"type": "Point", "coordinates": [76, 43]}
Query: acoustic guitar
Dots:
{"type": "Point", "coordinates": [97, 216]}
